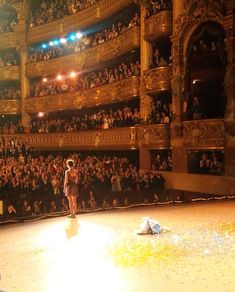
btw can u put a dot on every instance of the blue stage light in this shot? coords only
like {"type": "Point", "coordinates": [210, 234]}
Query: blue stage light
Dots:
{"type": "Point", "coordinates": [72, 37]}
{"type": "Point", "coordinates": [44, 46]}
{"type": "Point", "coordinates": [56, 42]}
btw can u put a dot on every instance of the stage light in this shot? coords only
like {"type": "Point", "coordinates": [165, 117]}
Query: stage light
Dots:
{"type": "Point", "coordinates": [44, 79]}
{"type": "Point", "coordinates": [51, 43]}
{"type": "Point", "coordinates": [59, 77]}
{"type": "Point", "coordinates": [78, 35]}
{"type": "Point", "coordinates": [63, 41]}
{"type": "Point", "coordinates": [73, 37]}
{"type": "Point", "coordinates": [3, 116]}
{"type": "Point", "coordinates": [40, 114]}
{"type": "Point", "coordinates": [56, 42]}
{"type": "Point", "coordinates": [44, 46]}
{"type": "Point", "coordinates": [72, 74]}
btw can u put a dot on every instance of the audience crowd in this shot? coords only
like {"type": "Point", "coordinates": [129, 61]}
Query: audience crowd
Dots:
{"type": "Point", "coordinates": [50, 10]}
{"type": "Point", "coordinates": [156, 6]}
{"type": "Point", "coordinates": [32, 182]}
{"type": "Point", "coordinates": [208, 162]}
{"type": "Point", "coordinates": [67, 46]}
{"type": "Point", "coordinates": [162, 160]}
{"type": "Point", "coordinates": [9, 59]}
{"type": "Point", "coordinates": [10, 91]}
{"type": "Point", "coordinates": [72, 121]}
{"type": "Point", "coordinates": [84, 81]}
{"type": "Point", "coordinates": [8, 20]}
{"type": "Point", "coordinates": [161, 113]}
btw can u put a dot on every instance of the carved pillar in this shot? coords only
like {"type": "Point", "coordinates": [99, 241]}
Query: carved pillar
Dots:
{"type": "Point", "coordinates": [230, 91]}
{"type": "Point", "coordinates": [145, 100]}
{"type": "Point", "coordinates": [146, 56]}
{"type": "Point", "coordinates": [22, 9]}
{"type": "Point", "coordinates": [145, 158]}
{"type": "Point", "coordinates": [179, 154]}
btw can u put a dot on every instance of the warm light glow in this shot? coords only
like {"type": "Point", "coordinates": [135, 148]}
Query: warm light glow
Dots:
{"type": "Point", "coordinates": [59, 77]}
{"type": "Point", "coordinates": [44, 79]}
{"type": "Point", "coordinates": [63, 41]}
{"type": "Point", "coordinates": [40, 114]}
{"type": "Point", "coordinates": [72, 74]}
{"type": "Point", "coordinates": [78, 35]}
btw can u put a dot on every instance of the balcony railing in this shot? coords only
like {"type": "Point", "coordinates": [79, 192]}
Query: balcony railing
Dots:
{"type": "Point", "coordinates": [85, 18]}
{"type": "Point", "coordinates": [157, 79]}
{"type": "Point", "coordinates": [8, 40]}
{"type": "Point", "coordinates": [9, 73]}
{"type": "Point", "coordinates": [204, 134]}
{"type": "Point", "coordinates": [154, 136]}
{"type": "Point", "coordinates": [90, 57]}
{"type": "Point", "coordinates": [158, 25]}
{"type": "Point", "coordinates": [9, 107]}
{"type": "Point", "coordinates": [119, 138]}
{"type": "Point", "coordinates": [108, 94]}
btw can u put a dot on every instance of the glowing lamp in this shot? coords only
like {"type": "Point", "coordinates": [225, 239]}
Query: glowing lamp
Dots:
{"type": "Point", "coordinates": [40, 114]}
{"type": "Point", "coordinates": [72, 74]}
{"type": "Point", "coordinates": [44, 79]}
{"type": "Point", "coordinates": [59, 77]}
{"type": "Point", "coordinates": [78, 35]}
{"type": "Point", "coordinates": [63, 41]}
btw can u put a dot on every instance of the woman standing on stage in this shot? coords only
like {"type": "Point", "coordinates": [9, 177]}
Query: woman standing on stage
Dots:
{"type": "Point", "coordinates": [71, 187]}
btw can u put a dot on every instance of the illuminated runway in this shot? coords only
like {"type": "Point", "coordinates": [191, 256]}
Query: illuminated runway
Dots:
{"type": "Point", "coordinates": [101, 251]}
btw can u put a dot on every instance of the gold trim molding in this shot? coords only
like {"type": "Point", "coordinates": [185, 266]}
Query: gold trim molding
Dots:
{"type": "Point", "coordinates": [122, 138]}
{"type": "Point", "coordinates": [158, 25]}
{"type": "Point", "coordinates": [90, 57]}
{"type": "Point", "coordinates": [83, 19]}
{"type": "Point", "coordinates": [8, 40]}
{"type": "Point", "coordinates": [9, 73]}
{"type": "Point", "coordinates": [112, 93]}
{"type": "Point", "coordinates": [157, 79]}
{"type": "Point", "coordinates": [9, 107]}
{"type": "Point", "coordinates": [203, 133]}
{"type": "Point", "coordinates": [155, 136]}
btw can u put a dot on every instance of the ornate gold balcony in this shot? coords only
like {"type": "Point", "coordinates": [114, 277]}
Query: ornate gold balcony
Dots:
{"type": "Point", "coordinates": [10, 107]}
{"type": "Point", "coordinates": [158, 25]}
{"type": "Point", "coordinates": [101, 53]}
{"type": "Point", "coordinates": [204, 134]}
{"type": "Point", "coordinates": [123, 138]}
{"type": "Point", "coordinates": [9, 73]}
{"type": "Point", "coordinates": [157, 79]}
{"type": "Point", "coordinates": [116, 92]}
{"type": "Point", "coordinates": [154, 136]}
{"type": "Point", "coordinates": [85, 18]}
{"type": "Point", "coordinates": [8, 40]}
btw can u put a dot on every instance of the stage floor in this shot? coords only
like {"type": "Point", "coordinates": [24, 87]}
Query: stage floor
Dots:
{"type": "Point", "coordinates": [101, 251]}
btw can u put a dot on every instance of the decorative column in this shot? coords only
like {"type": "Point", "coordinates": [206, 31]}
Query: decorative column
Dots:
{"type": "Point", "coordinates": [179, 155]}
{"type": "Point", "coordinates": [230, 91]}
{"type": "Point", "coordinates": [22, 9]}
{"type": "Point", "coordinates": [145, 100]}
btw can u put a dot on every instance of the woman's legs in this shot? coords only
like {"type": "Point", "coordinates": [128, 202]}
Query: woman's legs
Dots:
{"type": "Point", "coordinates": [74, 204]}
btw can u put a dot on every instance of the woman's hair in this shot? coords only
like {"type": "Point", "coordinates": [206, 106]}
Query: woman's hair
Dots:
{"type": "Point", "coordinates": [70, 162]}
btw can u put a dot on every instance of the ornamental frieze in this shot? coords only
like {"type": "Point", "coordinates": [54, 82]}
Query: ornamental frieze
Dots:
{"type": "Point", "coordinates": [199, 10]}
{"type": "Point", "coordinates": [118, 138]}
{"type": "Point", "coordinates": [9, 73]}
{"type": "Point", "coordinates": [154, 136]}
{"type": "Point", "coordinates": [158, 25]}
{"type": "Point", "coordinates": [93, 14]}
{"type": "Point", "coordinates": [8, 40]}
{"type": "Point", "coordinates": [204, 133]}
{"type": "Point", "coordinates": [112, 93]}
{"type": "Point", "coordinates": [90, 57]}
{"type": "Point", "coordinates": [157, 79]}
{"type": "Point", "coordinates": [9, 107]}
